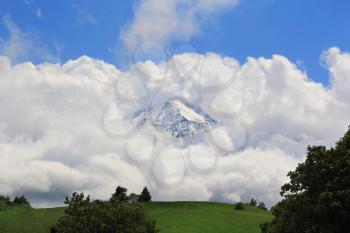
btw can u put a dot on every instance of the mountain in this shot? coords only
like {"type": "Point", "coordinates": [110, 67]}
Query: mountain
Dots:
{"type": "Point", "coordinates": [175, 116]}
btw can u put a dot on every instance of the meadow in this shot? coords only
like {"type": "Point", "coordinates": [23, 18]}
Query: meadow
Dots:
{"type": "Point", "coordinates": [171, 217]}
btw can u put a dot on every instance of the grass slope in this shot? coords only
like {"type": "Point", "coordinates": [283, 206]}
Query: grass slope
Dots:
{"type": "Point", "coordinates": [206, 217]}
{"type": "Point", "coordinates": [27, 220]}
{"type": "Point", "coordinates": [171, 217]}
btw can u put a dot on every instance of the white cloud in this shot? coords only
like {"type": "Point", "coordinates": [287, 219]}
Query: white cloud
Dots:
{"type": "Point", "coordinates": [39, 13]}
{"type": "Point", "coordinates": [339, 68]}
{"type": "Point", "coordinates": [24, 46]}
{"type": "Point", "coordinates": [54, 138]}
{"type": "Point", "coordinates": [83, 15]}
{"type": "Point", "coordinates": [159, 21]}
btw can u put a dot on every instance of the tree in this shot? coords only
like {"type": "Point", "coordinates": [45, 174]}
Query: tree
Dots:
{"type": "Point", "coordinates": [120, 195]}
{"type": "Point", "coordinates": [239, 206]}
{"type": "Point", "coordinates": [317, 198]}
{"type": "Point", "coordinates": [262, 206]}
{"type": "Point", "coordinates": [253, 202]}
{"type": "Point", "coordinates": [85, 216]}
{"type": "Point", "coordinates": [145, 195]}
{"type": "Point", "coordinates": [133, 198]}
{"type": "Point", "coordinates": [4, 202]}
{"type": "Point", "coordinates": [21, 201]}
{"type": "Point", "coordinates": [78, 215]}
{"type": "Point", "coordinates": [264, 227]}
{"type": "Point", "coordinates": [5, 199]}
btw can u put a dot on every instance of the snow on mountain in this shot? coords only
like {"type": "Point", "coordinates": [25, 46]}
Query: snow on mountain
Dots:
{"type": "Point", "coordinates": [175, 116]}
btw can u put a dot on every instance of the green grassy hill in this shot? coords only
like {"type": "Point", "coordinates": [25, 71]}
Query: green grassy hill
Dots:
{"type": "Point", "coordinates": [171, 217]}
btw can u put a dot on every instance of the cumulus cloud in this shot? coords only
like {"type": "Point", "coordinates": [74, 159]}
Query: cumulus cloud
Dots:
{"type": "Point", "coordinates": [65, 127]}
{"type": "Point", "coordinates": [23, 46]}
{"type": "Point", "coordinates": [157, 22]}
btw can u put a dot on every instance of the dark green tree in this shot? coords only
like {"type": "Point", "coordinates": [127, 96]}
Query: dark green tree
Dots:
{"type": "Point", "coordinates": [4, 202]}
{"type": "Point", "coordinates": [239, 206]}
{"type": "Point", "coordinates": [317, 198]}
{"type": "Point", "coordinates": [253, 202]}
{"type": "Point", "coordinates": [145, 195]}
{"type": "Point", "coordinates": [133, 198]}
{"type": "Point", "coordinates": [5, 199]}
{"type": "Point", "coordinates": [264, 227]}
{"type": "Point", "coordinates": [78, 215]}
{"type": "Point", "coordinates": [21, 200]}
{"type": "Point", "coordinates": [85, 216]}
{"type": "Point", "coordinates": [120, 195]}
{"type": "Point", "coordinates": [262, 205]}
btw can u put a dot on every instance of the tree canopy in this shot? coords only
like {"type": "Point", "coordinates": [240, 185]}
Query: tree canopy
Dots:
{"type": "Point", "coordinates": [5, 201]}
{"type": "Point", "coordinates": [120, 194]}
{"type": "Point", "coordinates": [113, 216]}
{"type": "Point", "coordinates": [145, 195]}
{"type": "Point", "coordinates": [317, 198]}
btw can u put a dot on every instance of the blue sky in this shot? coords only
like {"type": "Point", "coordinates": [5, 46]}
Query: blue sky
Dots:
{"type": "Point", "coordinates": [299, 30]}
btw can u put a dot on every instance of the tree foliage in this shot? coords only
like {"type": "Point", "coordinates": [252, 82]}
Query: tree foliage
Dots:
{"type": "Point", "coordinates": [317, 198]}
{"type": "Point", "coordinates": [21, 200]}
{"type": "Point", "coordinates": [133, 198]}
{"type": "Point", "coordinates": [262, 205]}
{"type": "Point", "coordinates": [115, 216]}
{"type": "Point", "coordinates": [253, 202]}
{"type": "Point", "coordinates": [120, 195]}
{"type": "Point", "coordinates": [145, 195]}
{"type": "Point", "coordinates": [5, 199]}
{"type": "Point", "coordinates": [5, 202]}
{"type": "Point", "coordinates": [239, 206]}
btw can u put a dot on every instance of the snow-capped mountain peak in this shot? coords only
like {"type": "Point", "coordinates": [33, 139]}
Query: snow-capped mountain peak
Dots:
{"type": "Point", "coordinates": [186, 111]}
{"type": "Point", "coordinates": [175, 116]}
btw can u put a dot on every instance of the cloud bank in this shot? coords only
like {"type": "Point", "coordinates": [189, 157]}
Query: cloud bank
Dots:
{"type": "Point", "coordinates": [65, 128]}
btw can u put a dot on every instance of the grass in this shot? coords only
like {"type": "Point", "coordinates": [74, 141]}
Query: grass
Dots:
{"type": "Point", "coordinates": [171, 217]}
{"type": "Point", "coordinates": [206, 217]}
{"type": "Point", "coordinates": [28, 220]}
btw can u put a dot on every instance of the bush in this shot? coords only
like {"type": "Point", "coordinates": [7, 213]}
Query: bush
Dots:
{"type": "Point", "coordinates": [239, 206]}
